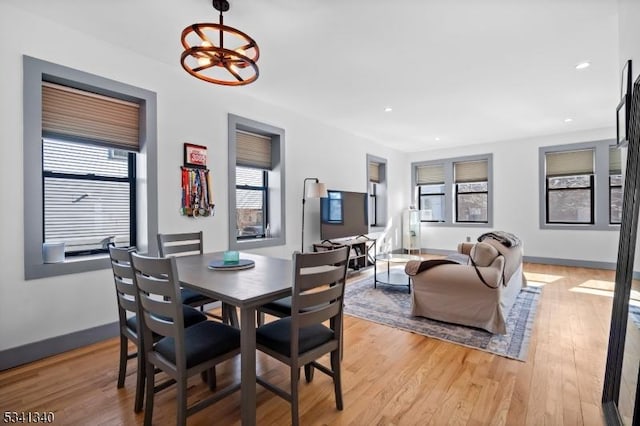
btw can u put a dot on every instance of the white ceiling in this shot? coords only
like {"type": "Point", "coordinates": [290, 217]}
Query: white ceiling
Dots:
{"type": "Point", "coordinates": [464, 71]}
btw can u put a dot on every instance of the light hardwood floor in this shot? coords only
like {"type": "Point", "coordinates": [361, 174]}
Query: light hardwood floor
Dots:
{"type": "Point", "coordinates": [390, 377]}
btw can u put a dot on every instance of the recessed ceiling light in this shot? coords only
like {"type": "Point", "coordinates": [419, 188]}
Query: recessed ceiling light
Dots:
{"type": "Point", "coordinates": [583, 65]}
{"type": "Point", "coordinates": [437, 138]}
{"type": "Point", "coordinates": [388, 109]}
{"type": "Point", "coordinates": [568, 120]}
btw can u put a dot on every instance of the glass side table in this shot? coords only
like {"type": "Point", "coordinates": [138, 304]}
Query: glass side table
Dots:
{"type": "Point", "coordinates": [394, 276]}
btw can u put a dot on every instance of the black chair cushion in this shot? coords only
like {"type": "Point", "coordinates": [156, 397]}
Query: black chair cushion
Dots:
{"type": "Point", "coordinates": [190, 297]}
{"type": "Point", "coordinates": [277, 336]}
{"type": "Point", "coordinates": [282, 306]}
{"type": "Point", "coordinates": [191, 316]}
{"type": "Point", "coordinates": [203, 341]}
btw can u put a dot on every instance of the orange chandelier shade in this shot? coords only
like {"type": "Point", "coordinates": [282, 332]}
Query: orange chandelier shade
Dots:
{"type": "Point", "coordinates": [220, 54]}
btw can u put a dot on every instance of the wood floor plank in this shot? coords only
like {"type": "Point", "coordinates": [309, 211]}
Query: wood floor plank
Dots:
{"type": "Point", "coordinates": [390, 377]}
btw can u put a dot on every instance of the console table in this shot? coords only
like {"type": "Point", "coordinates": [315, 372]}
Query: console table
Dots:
{"type": "Point", "coordinates": [362, 251]}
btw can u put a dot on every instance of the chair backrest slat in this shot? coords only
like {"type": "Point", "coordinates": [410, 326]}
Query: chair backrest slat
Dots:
{"type": "Point", "coordinates": [158, 289]}
{"type": "Point", "coordinates": [329, 257]}
{"type": "Point", "coordinates": [328, 274]}
{"type": "Point", "coordinates": [160, 327]}
{"type": "Point", "coordinates": [180, 244]}
{"type": "Point", "coordinates": [326, 295]}
{"type": "Point", "coordinates": [320, 314]}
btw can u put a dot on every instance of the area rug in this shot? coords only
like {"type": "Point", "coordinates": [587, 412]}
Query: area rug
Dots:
{"type": "Point", "coordinates": [634, 313]}
{"type": "Point", "coordinates": [391, 305]}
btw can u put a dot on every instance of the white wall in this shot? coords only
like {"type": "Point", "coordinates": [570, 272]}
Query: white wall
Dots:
{"type": "Point", "coordinates": [189, 110]}
{"type": "Point", "coordinates": [629, 34]}
{"type": "Point", "coordinates": [516, 202]}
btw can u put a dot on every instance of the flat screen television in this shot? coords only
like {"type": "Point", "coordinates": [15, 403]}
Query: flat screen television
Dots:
{"type": "Point", "coordinates": [343, 214]}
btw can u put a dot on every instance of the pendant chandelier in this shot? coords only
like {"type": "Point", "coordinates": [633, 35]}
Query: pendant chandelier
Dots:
{"type": "Point", "coordinates": [218, 53]}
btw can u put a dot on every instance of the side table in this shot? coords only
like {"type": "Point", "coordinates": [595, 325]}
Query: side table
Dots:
{"type": "Point", "coordinates": [391, 277]}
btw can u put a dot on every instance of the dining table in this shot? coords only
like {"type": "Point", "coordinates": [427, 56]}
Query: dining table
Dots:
{"type": "Point", "coordinates": [269, 279]}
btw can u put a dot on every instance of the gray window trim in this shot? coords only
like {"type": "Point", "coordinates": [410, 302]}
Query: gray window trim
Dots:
{"type": "Point", "coordinates": [449, 192]}
{"type": "Point", "coordinates": [276, 183]}
{"type": "Point", "coordinates": [601, 183]}
{"type": "Point", "coordinates": [381, 192]}
{"type": "Point", "coordinates": [35, 71]}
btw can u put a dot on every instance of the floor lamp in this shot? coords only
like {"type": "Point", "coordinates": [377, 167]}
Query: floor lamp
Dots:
{"type": "Point", "coordinates": [314, 190]}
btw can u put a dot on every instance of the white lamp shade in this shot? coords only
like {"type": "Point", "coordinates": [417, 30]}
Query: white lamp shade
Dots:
{"type": "Point", "coordinates": [316, 190]}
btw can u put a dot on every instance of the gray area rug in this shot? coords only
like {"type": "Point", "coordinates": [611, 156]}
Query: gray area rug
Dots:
{"type": "Point", "coordinates": [391, 305]}
{"type": "Point", "coordinates": [634, 313]}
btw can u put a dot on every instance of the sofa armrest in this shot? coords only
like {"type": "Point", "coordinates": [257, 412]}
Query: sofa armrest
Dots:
{"type": "Point", "coordinates": [465, 248]}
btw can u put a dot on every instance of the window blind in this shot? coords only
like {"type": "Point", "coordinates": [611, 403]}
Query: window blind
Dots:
{"type": "Point", "coordinates": [430, 174]}
{"type": "Point", "coordinates": [81, 114]}
{"type": "Point", "coordinates": [253, 150]}
{"type": "Point", "coordinates": [615, 161]}
{"type": "Point", "coordinates": [471, 171]}
{"type": "Point", "coordinates": [374, 172]}
{"type": "Point", "coordinates": [568, 163]}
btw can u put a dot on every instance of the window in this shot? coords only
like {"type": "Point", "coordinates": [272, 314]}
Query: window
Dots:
{"type": "Point", "coordinates": [454, 191]}
{"type": "Point", "coordinates": [472, 191]}
{"type": "Point", "coordinates": [377, 189]}
{"type": "Point", "coordinates": [89, 189]}
{"type": "Point", "coordinates": [251, 202]}
{"type": "Point", "coordinates": [374, 181]}
{"type": "Point", "coordinates": [570, 195]}
{"type": "Point", "coordinates": [256, 171]}
{"type": "Point", "coordinates": [431, 194]}
{"type": "Point", "coordinates": [615, 186]}
{"type": "Point", "coordinates": [581, 186]}
{"type": "Point", "coordinates": [81, 173]}
{"type": "Point", "coordinates": [88, 199]}
{"type": "Point", "coordinates": [334, 206]}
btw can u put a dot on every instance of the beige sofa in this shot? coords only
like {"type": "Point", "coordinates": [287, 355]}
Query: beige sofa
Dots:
{"type": "Point", "coordinates": [455, 292]}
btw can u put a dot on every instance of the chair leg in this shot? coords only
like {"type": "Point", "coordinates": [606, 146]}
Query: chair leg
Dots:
{"type": "Point", "coordinates": [122, 369]}
{"type": "Point", "coordinates": [140, 380]}
{"type": "Point", "coordinates": [337, 378]}
{"type": "Point", "coordinates": [182, 401]}
{"type": "Point", "coordinates": [308, 372]}
{"type": "Point", "coordinates": [260, 318]}
{"type": "Point", "coordinates": [211, 378]}
{"type": "Point", "coordinates": [295, 376]}
{"type": "Point", "coordinates": [150, 389]}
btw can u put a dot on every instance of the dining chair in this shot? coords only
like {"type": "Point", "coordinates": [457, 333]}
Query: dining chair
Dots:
{"type": "Point", "coordinates": [300, 339]}
{"type": "Point", "coordinates": [184, 244]}
{"type": "Point", "coordinates": [128, 317]}
{"type": "Point", "coordinates": [179, 352]}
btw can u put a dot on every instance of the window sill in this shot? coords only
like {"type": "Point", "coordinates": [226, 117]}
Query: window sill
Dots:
{"type": "Point", "coordinates": [256, 243]}
{"type": "Point", "coordinates": [580, 227]}
{"type": "Point", "coordinates": [458, 224]}
{"type": "Point", "coordinates": [71, 265]}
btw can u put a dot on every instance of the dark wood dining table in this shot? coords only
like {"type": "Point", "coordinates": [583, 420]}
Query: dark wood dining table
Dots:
{"type": "Point", "coordinates": [247, 289]}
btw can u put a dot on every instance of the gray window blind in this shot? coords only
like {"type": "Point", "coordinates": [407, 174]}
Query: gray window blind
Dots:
{"type": "Point", "coordinates": [471, 171]}
{"type": "Point", "coordinates": [430, 174]}
{"type": "Point", "coordinates": [615, 161]}
{"type": "Point", "coordinates": [374, 172]}
{"type": "Point", "coordinates": [569, 163]}
{"type": "Point", "coordinates": [253, 150]}
{"type": "Point", "coordinates": [80, 114]}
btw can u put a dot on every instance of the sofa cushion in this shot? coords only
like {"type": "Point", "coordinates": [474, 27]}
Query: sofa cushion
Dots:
{"type": "Point", "coordinates": [483, 254]}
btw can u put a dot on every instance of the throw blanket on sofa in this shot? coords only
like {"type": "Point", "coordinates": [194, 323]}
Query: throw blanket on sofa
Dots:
{"type": "Point", "coordinates": [414, 267]}
{"type": "Point", "coordinates": [505, 238]}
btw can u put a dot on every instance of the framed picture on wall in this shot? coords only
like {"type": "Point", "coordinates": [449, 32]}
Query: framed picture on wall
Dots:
{"type": "Point", "coordinates": [622, 122]}
{"type": "Point", "coordinates": [624, 107]}
{"type": "Point", "coordinates": [195, 156]}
